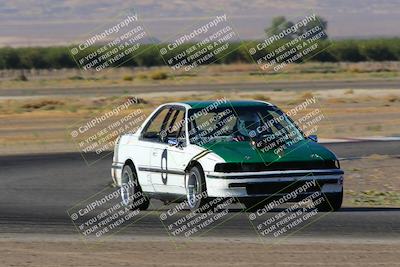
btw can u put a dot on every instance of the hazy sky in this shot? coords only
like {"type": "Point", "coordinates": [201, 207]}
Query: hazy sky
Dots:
{"type": "Point", "coordinates": [34, 22]}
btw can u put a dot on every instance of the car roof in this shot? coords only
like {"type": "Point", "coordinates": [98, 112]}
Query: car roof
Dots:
{"type": "Point", "coordinates": [227, 103]}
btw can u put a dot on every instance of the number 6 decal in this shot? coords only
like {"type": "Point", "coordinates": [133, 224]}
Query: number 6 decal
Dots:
{"type": "Point", "coordinates": [164, 168]}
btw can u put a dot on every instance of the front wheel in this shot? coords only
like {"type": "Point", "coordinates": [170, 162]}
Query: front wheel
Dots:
{"type": "Point", "coordinates": [332, 202]}
{"type": "Point", "coordinates": [131, 192]}
{"type": "Point", "coordinates": [196, 191]}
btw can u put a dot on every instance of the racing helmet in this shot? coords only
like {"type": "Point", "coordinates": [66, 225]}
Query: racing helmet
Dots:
{"type": "Point", "coordinates": [247, 123]}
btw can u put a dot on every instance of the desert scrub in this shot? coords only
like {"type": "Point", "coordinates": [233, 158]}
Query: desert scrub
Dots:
{"type": "Point", "coordinates": [374, 128]}
{"type": "Point", "coordinates": [306, 95]}
{"type": "Point", "coordinates": [374, 198]}
{"type": "Point", "coordinates": [21, 78]}
{"type": "Point", "coordinates": [141, 76]}
{"type": "Point", "coordinates": [127, 78]}
{"type": "Point", "coordinates": [42, 104]}
{"type": "Point", "coordinates": [158, 75]}
{"type": "Point", "coordinates": [261, 97]}
{"type": "Point", "coordinates": [392, 98]}
{"type": "Point", "coordinates": [76, 78]}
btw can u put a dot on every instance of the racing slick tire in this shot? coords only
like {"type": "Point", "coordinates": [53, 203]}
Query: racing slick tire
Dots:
{"type": "Point", "coordinates": [196, 190]}
{"type": "Point", "coordinates": [131, 192]}
{"type": "Point", "coordinates": [333, 202]}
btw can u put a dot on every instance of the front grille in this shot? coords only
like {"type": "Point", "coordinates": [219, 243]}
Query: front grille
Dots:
{"type": "Point", "coordinates": [271, 188]}
{"type": "Point", "coordinates": [275, 166]}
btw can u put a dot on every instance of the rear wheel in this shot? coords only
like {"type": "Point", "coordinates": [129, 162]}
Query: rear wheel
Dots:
{"type": "Point", "coordinates": [131, 192]}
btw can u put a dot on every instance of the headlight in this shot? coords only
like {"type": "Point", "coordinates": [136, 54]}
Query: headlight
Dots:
{"type": "Point", "coordinates": [337, 164]}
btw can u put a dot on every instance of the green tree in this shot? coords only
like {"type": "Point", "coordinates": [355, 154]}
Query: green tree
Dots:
{"type": "Point", "coordinates": [319, 21]}
{"type": "Point", "coordinates": [376, 50]}
{"type": "Point", "coordinates": [10, 58]}
{"type": "Point", "coordinates": [280, 23]}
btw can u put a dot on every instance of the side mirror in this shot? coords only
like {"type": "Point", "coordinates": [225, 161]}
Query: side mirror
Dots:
{"type": "Point", "coordinates": [313, 137]}
{"type": "Point", "coordinates": [162, 137]}
{"type": "Point", "coordinates": [179, 143]}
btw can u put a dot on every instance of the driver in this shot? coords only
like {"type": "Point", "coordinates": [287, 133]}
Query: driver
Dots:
{"type": "Point", "coordinates": [246, 125]}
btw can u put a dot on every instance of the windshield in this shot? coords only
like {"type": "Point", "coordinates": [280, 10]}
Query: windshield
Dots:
{"type": "Point", "coordinates": [241, 124]}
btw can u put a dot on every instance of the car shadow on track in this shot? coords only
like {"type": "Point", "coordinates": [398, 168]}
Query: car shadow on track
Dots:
{"type": "Point", "coordinates": [344, 209]}
{"type": "Point", "coordinates": [368, 209]}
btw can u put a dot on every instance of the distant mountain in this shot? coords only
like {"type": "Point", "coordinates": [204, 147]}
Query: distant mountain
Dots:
{"type": "Point", "coordinates": [48, 22]}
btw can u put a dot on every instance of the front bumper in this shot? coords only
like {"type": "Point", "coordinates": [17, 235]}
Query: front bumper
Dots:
{"type": "Point", "coordinates": [273, 183]}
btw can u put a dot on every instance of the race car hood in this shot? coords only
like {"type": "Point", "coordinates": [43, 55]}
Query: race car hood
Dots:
{"type": "Point", "coordinates": [245, 152]}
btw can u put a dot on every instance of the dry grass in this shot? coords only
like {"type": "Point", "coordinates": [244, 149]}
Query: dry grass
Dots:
{"type": "Point", "coordinates": [213, 252]}
{"type": "Point", "coordinates": [372, 181]}
{"type": "Point", "coordinates": [128, 78]}
{"type": "Point", "coordinates": [363, 113]}
{"type": "Point", "coordinates": [392, 98]}
{"type": "Point", "coordinates": [306, 95]}
{"type": "Point", "coordinates": [336, 100]}
{"type": "Point", "coordinates": [235, 73]}
{"type": "Point", "coordinates": [349, 92]}
{"type": "Point", "coordinates": [158, 75]}
{"type": "Point", "coordinates": [261, 97]}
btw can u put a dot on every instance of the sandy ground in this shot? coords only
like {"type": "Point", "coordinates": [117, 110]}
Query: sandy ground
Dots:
{"type": "Point", "coordinates": [55, 251]}
{"type": "Point", "coordinates": [372, 181]}
{"type": "Point", "coordinates": [231, 73]}
{"type": "Point", "coordinates": [347, 113]}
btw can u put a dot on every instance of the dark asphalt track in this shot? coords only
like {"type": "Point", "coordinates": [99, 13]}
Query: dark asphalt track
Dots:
{"type": "Point", "coordinates": [266, 86]}
{"type": "Point", "coordinates": [37, 190]}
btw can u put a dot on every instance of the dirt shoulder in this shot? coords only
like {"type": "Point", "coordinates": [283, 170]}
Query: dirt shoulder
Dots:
{"type": "Point", "coordinates": [55, 79]}
{"type": "Point", "coordinates": [213, 252]}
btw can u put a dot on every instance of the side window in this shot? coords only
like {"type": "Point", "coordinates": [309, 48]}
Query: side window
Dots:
{"type": "Point", "coordinates": [154, 127]}
{"type": "Point", "coordinates": [175, 123]}
{"type": "Point", "coordinates": [175, 129]}
{"type": "Point", "coordinates": [167, 126]}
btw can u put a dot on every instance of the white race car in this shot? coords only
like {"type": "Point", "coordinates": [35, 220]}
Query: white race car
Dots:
{"type": "Point", "coordinates": [197, 151]}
